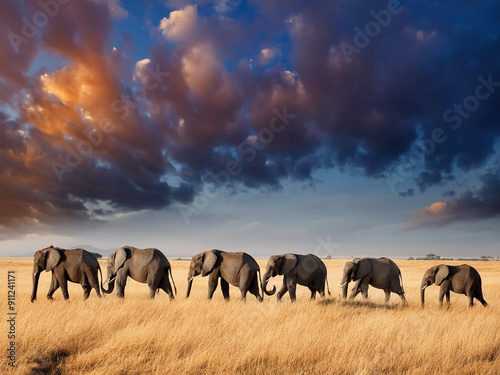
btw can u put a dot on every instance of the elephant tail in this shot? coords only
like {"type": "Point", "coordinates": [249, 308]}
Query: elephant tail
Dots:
{"type": "Point", "coordinates": [401, 278]}
{"type": "Point", "coordinates": [327, 286]}
{"type": "Point", "coordinates": [100, 272]}
{"type": "Point", "coordinates": [172, 277]}
{"type": "Point", "coordinates": [260, 281]}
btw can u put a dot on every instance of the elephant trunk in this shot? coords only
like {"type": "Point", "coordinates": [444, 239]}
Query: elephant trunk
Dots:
{"type": "Point", "coordinates": [36, 276]}
{"type": "Point", "coordinates": [422, 291]}
{"type": "Point", "coordinates": [190, 284]}
{"type": "Point", "coordinates": [267, 277]}
{"type": "Point", "coordinates": [111, 284]}
{"type": "Point", "coordinates": [344, 284]}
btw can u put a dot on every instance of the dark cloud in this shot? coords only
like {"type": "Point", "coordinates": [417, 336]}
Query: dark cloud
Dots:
{"type": "Point", "coordinates": [409, 193]}
{"type": "Point", "coordinates": [449, 193]}
{"type": "Point", "coordinates": [469, 206]}
{"type": "Point", "coordinates": [218, 82]}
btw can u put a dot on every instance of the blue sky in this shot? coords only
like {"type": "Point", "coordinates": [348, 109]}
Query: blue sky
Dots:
{"type": "Point", "coordinates": [369, 126]}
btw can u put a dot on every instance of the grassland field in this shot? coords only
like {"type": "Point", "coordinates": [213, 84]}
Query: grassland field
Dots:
{"type": "Point", "coordinates": [137, 335]}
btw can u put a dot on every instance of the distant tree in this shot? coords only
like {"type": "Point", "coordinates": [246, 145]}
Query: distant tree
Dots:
{"type": "Point", "coordinates": [328, 257]}
{"type": "Point", "coordinates": [430, 255]}
{"type": "Point", "coordinates": [411, 258]}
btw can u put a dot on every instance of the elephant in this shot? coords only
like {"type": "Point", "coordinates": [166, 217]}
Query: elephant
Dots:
{"type": "Point", "coordinates": [77, 266]}
{"type": "Point", "coordinates": [148, 266]}
{"type": "Point", "coordinates": [381, 273]}
{"type": "Point", "coordinates": [462, 279]}
{"type": "Point", "coordinates": [237, 269]}
{"type": "Point", "coordinates": [307, 270]}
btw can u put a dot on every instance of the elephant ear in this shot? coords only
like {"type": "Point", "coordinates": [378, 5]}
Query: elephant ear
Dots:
{"type": "Point", "coordinates": [441, 274]}
{"type": "Point", "coordinates": [209, 260]}
{"type": "Point", "coordinates": [288, 263]}
{"type": "Point", "coordinates": [363, 268]}
{"type": "Point", "coordinates": [120, 258]}
{"type": "Point", "coordinates": [52, 256]}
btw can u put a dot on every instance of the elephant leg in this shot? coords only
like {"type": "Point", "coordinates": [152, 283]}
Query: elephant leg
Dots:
{"type": "Point", "coordinates": [292, 285]}
{"type": "Point", "coordinates": [54, 284]}
{"type": "Point", "coordinates": [166, 286]}
{"type": "Point", "coordinates": [63, 283]}
{"type": "Point", "coordinates": [86, 291]}
{"type": "Point", "coordinates": [471, 299]}
{"type": "Point", "coordinates": [120, 286]}
{"type": "Point", "coordinates": [213, 281]}
{"type": "Point", "coordinates": [153, 282]}
{"type": "Point", "coordinates": [448, 297]}
{"type": "Point", "coordinates": [355, 290]}
{"type": "Point", "coordinates": [94, 283]}
{"type": "Point", "coordinates": [442, 292]}
{"type": "Point", "coordinates": [387, 295]}
{"type": "Point", "coordinates": [224, 285]}
{"type": "Point", "coordinates": [403, 298]}
{"type": "Point", "coordinates": [254, 288]}
{"type": "Point", "coordinates": [364, 293]}
{"type": "Point", "coordinates": [313, 293]}
{"type": "Point", "coordinates": [282, 291]}
{"type": "Point", "coordinates": [244, 295]}
{"type": "Point", "coordinates": [152, 292]}
{"type": "Point", "coordinates": [481, 299]}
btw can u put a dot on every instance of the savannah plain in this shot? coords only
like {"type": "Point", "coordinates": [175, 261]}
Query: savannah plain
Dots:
{"type": "Point", "coordinates": [196, 336]}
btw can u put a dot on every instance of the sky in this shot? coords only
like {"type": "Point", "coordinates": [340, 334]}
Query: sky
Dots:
{"type": "Point", "coordinates": [341, 128]}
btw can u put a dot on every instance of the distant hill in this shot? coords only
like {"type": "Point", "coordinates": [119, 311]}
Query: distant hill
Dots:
{"type": "Point", "coordinates": [93, 249]}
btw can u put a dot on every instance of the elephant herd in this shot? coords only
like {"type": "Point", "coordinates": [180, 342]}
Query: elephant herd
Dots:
{"type": "Point", "coordinates": [151, 267]}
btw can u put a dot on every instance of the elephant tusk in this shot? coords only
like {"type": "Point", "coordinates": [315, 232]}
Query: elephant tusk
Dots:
{"type": "Point", "coordinates": [425, 287]}
{"type": "Point", "coordinates": [34, 274]}
{"type": "Point", "coordinates": [191, 279]}
{"type": "Point", "coordinates": [343, 285]}
{"type": "Point", "coordinates": [268, 280]}
{"type": "Point", "coordinates": [110, 280]}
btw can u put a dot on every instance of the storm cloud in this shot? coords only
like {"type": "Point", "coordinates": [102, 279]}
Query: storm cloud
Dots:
{"type": "Point", "coordinates": [103, 131]}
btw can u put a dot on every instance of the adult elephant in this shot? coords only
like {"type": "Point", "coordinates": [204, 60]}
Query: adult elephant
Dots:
{"type": "Point", "coordinates": [462, 279]}
{"type": "Point", "coordinates": [381, 273]}
{"type": "Point", "coordinates": [77, 266]}
{"type": "Point", "coordinates": [307, 270]}
{"type": "Point", "coordinates": [148, 266]}
{"type": "Point", "coordinates": [237, 269]}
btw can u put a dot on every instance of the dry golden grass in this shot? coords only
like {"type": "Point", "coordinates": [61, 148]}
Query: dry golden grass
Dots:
{"type": "Point", "coordinates": [196, 336]}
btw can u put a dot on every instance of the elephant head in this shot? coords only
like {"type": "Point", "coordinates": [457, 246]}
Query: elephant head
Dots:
{"type": "Point", "coordinates": [204, 264]}
{"type": "Point", "coordinates": [45, 259]}
{"type": "Point", "coordinates": [115, 262]}
{"type": "Point", "coordinates": [278, 265]}
{"type": "Point", "coordinates": [434, 275]}
{"type": "Point", "coordinates": [354, 271]}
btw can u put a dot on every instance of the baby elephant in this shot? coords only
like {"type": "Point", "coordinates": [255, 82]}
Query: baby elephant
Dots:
{"type": "Point", "coordinates": [462, 279]}
{"type": "Point", "coordinates": [148, 266]}
{"type": "Point", "coordinates": [307, 270]}
{"type": "Point", "coordinates": [381, 273]}
{"type": "Point", "coordinates": [78, 266]}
